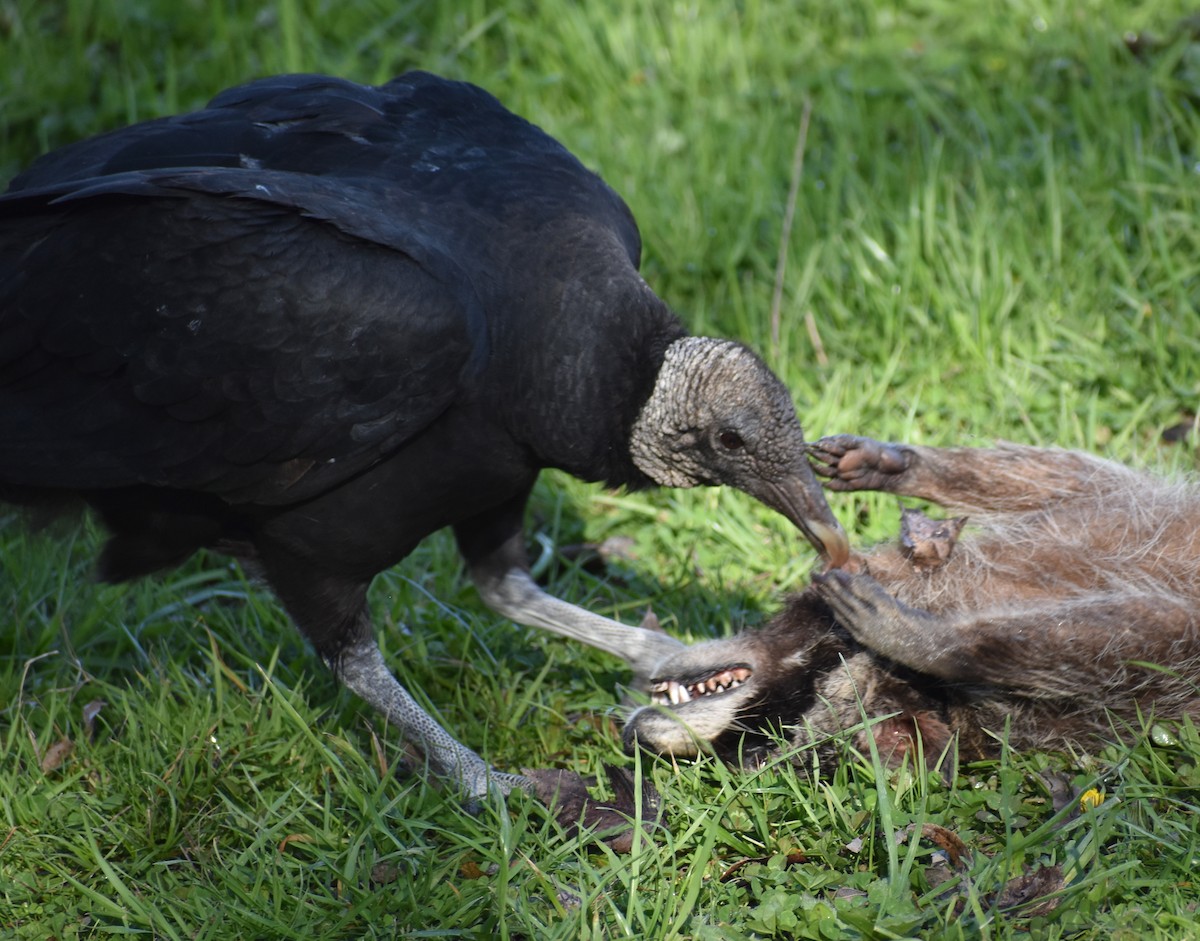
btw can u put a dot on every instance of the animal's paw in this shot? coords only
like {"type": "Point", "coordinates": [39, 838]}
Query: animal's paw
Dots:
{"type": "Point", "coordinates": [614, 821]}
{"type": "Point", "coordinates": [854, 463]}
{"type": "Point", "coordinates": [873, 617]}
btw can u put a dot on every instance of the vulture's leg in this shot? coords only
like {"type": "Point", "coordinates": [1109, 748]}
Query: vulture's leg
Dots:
{"type": "Point", "coordinates": [362, 670]}
{"type": "Point", "coordinates": [494, 548]}
{"type": "Point", "coordinates": [331, 612]}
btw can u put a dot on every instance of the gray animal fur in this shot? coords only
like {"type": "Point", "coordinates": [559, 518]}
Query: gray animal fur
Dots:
{"type": "Point", "coordinates": [1069, 617]}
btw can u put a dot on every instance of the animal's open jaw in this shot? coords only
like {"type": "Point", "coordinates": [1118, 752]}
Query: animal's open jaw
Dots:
{"type": "Point", "coordinates": [677, 692]}
{"type": "Point", "coordinates": [697, 696]}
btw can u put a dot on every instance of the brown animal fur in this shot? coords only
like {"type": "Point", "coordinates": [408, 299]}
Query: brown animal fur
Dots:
{"type": "Point", "coordinates": [1070, 615]}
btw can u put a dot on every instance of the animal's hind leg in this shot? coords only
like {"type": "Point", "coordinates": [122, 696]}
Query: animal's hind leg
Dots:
{"type": "Point", "coordinates": [1011, 477]}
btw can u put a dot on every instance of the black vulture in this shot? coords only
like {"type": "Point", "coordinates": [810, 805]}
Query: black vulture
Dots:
{"type": "Point", "coordinates": [315, 321]}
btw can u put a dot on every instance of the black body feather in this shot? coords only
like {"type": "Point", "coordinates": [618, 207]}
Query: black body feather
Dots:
{"type": "Point", "coordinates": [317, 321]}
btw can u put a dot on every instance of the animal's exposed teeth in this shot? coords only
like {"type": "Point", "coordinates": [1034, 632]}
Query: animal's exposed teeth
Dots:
{"type": "Point", "coordinates": [674, 693]}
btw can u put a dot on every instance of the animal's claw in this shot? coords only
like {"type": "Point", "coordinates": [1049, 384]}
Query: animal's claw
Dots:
{"type": "Point", "coordinates": [854, 598]}
{"type": "Point", "coordinates": [873, 617]}
{"type": "Point", "coordinates": [853, 463]}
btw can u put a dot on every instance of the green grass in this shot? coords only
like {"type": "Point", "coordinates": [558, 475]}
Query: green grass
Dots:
{"type": "Point", "coordinates": [996, 236]}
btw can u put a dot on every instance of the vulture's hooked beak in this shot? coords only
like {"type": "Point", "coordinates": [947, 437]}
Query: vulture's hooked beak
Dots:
{"type": "Point", "coordinates": [799, 497]}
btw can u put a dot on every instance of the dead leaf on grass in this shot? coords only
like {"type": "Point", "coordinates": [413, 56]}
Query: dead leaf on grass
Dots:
{"type": "Point", "coordinates": [794, 858]}
{"type": "Point", "coordinates": [1029, 892]}
{"type": "Point", "coordinates": [90, 711]}
{"type": "Point", "coordinates": [294, 838]}
{"type": "Point", "coordinates": [470, 870]}
{"type": "Point", "coordinates": [55, 755]}
{"type": "Point", "coordinates": [1026, 895]}
{"type": "Point", "coordinates": [1059, 786]}
{"type": "Point", "coordinates": [949, 842]}
{"type": "Point", "coordinates": [384, 873]}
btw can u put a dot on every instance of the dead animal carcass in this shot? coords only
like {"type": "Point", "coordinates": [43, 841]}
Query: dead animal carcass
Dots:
{"type": "Point", "coordinates": [1069, 615]}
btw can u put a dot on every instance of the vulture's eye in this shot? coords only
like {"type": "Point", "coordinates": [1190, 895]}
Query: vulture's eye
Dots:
{"type": "Point", "coordinates": [730, 440]}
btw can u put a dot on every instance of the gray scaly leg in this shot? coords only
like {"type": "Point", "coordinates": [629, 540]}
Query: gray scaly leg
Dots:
{"type": "Point", "coordinates": [517, 596]}
{"type": "Point", "coordinates": [362, 670]}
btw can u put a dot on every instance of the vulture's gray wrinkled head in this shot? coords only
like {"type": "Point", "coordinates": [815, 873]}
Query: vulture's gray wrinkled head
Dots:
{"type": "Point", "coordinates": [718, 415]}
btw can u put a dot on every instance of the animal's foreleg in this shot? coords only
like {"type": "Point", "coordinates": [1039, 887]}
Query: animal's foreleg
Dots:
{"type": "Point", "coordinates": [1093, 648]}
{"type": "Point", "coordinates": [362, 670]}
{"type": "Point", "coordinates": [1011, 477]}
{"type": "Point", "coordinates": [910, 636]}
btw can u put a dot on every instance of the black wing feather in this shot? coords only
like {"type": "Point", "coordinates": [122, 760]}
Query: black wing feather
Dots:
{"type": "Point", "coordinates": [261, 298]}
{"type": "Point", "coordinates": [249, 338]}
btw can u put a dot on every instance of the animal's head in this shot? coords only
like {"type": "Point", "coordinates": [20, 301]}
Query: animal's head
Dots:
{"type": "Point", "coordinates": [718, 415]}
{"type": "Point", "coordinates": [735, 694]}
{"type": "Point", "coordinates": [801, 677]}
